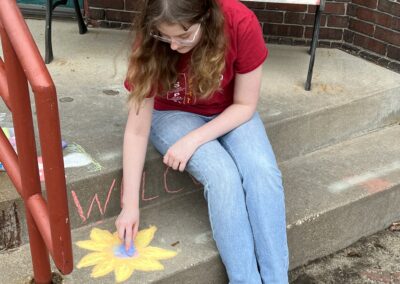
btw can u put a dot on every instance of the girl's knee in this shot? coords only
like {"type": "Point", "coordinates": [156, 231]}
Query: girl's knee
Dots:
{"type": "Point", "coordinates": [220, 179]}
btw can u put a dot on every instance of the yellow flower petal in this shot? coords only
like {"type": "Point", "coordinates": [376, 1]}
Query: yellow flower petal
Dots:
{"type": "Point", "coordinates": [157, 253]}
{"type": "Point", "coordinates": [92, 259]}
{"type": "Point", "coordinates": [116, 239]}
{"type": "Point", "coordinates": [103, 268]}
{"type": "Point", "coordinates": [92, 245]}
{"type": "Point", "coordinates": [146, 264]}
{"type": "Point", "coordinates": [144, 237]}
{"type": "Point", "coordinates": [99, 235]}
{"type": "Point", "coordinates": [123, 272]}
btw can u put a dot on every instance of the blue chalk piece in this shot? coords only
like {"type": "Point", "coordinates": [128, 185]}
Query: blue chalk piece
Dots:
{"type": "Point", "coordinates": [63, 144]}
{"type": "Point", "coordinates": [119, 251]}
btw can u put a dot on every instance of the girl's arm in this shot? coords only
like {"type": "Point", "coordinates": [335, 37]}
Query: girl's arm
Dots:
{"type": "Point", "coordinates": [136, 136]}
{"type": "Point", "coordinates": [245, 98]}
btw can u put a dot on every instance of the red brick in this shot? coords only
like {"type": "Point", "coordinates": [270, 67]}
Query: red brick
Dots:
{"type": "Point", "coordinates": [335, 8]}
{"type": "Point", "coordinates": [338, 21]}
{"type": "Point", "coordinates": [352, 10]}
{"type": "Point", "coordinates": [348, 36]}
{"type": "Point", "coordinates": [370, 44]}
{"type": "Point", "coordinates": [361, 27]}
{"type": "Point", "coordinates": [299, 18]}
{"type": "Point", "coordinates": [369, 56]}
{"type": "Point", "coordinates": [299, 42]}
{"type": "Point", "coordinates": [390, 7]}
{"type": "Point", "coordinates": [287, 7]}
{"type": "Point", "coordinates": [249, 4]}
{"type": "Point", "coordinates": [119, 16]}
{"type": "Point", "coordinates": [114, 4]}
{"type": "Point", "coordinates": [396, 23]}
{"type": "Point", "coordinates": [374, 16]}
{"type": "Point", "coordinates": [367, 3]}
{"type": "Point", "coordinates": [325, 33]}
{"type": "Point", "coordinates": [393, 52]}
{"type": "Point", "coordinates": [96, 14]}
{"type": "Point", "coordinates": [133, 5]}
{"type": "Point", "coordinates": [269, 16]}
{"type": "Point", "coordinates": [312, 8]}
{"type": "Point", "coordinates": [389, 36]}
{"type": "Point", "coordinates": [395, 67]}
{"type": "Point", "coordinates": [283, 30]}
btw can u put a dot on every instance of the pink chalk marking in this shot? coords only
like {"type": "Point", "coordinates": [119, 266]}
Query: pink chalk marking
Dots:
{"type": "Point", "coordinates": [166, 185]}
{"type": "Point", "coordinates": [143, 189]}
{"type": "Point", "coordinates": [376, 185]}
{"type": "Point", "coordinates": [78, 206]}
{"type": "Point", "coordinates": [381, 276]}
{"type": "Point", "coordinates": [109, 195]}
{"type": "Point", "coordinates": [195, 181]}
{"type": "Point", "coordinates": [95, 198]}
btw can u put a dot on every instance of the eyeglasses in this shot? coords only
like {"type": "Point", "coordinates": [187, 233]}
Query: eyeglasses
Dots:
{"type": "Point", "coordinates": [183, 42]}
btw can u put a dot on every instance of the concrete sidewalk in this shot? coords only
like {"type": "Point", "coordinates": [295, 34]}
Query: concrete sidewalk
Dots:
{"type": "Point", "coordinates": [350, 97]}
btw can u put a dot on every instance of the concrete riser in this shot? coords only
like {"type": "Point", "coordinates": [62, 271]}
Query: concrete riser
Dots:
{"type": "Point", "coordinates": [325, 234]}
{"type": "Point", "coordinates": [313, 238]}
{"type": "Point", "coordinates": [304, 134]}
{"type": "Point", "coordinates": [338, 228]}
{"type": "Point", "coordinates": [310, 239]}
{"type": "Point", "coordinates": [98, 198]}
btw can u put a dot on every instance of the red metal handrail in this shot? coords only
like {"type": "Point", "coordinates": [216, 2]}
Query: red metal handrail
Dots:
{"type": "Point", "coordinates": [48, 222]}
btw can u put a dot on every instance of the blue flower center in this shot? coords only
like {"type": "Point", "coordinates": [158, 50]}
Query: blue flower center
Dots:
{"type": "Point", "coordinates": [119, 251]}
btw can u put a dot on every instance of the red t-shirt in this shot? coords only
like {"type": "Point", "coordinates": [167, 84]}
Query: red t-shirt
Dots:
{"type": "Point", "coordinates": [246, 51]}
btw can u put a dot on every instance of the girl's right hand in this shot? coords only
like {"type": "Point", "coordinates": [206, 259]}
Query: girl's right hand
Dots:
{"type": "Point", "coordinates": [127, 225]}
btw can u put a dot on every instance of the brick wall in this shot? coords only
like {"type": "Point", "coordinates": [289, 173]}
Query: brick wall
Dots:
{"type": "Point", "coordinates": [293, 24]}
{"type": "Point", "coordinates": [374, 31]}
{"type": "Point", "coordinates": [366, 28]}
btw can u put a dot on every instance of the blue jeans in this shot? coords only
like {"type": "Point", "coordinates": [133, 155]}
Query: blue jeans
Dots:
{"type": "Point", "coordinates": [244, 193]}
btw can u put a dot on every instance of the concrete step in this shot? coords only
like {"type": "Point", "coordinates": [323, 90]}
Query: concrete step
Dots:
{"type": "Point", "coordinates": [349, 98]}
{"type": "Point", "coordinates": [334, 196]}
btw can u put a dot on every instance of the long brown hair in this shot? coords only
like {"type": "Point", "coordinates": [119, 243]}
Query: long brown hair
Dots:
{"type": "Point", "coordinates": [152, 64]}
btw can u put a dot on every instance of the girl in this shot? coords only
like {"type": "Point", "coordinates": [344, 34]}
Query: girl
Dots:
{"type": "Point", "coordinates": [194, 79]}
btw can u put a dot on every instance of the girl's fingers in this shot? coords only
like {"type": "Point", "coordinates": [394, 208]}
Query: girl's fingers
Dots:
{"type": "Point", "coordinates": [121, 232]}
{"type": "Point", "coordinates": [128, 237]}
{"type": "Point", "coordinates": [182, 166]}
{"type": "Point", "coordinates": [165, 159]}
{"type": "Point", "coordinates": [175, 164]}
{"type": "Point", "coordinates": [135, 230]}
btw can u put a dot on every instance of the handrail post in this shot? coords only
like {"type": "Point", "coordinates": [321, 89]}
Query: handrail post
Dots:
{"type": "Point", "coordinates": [27, 158]}
{"type": "Point", "coordinates": [47, 220]}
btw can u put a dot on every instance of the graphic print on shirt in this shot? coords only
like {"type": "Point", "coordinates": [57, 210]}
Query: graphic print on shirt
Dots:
{"type": "Point", "coordinates": [181, 91]}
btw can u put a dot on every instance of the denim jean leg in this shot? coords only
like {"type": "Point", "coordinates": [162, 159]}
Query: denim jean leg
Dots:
{"type": "Point", "coordinates": [212, 165]}
{"type": "Point", "coordinates": [251, 150]}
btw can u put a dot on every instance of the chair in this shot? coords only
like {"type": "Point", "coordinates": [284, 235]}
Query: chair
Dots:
{"type": "Point", "coordinates": [320, 8]}
{"type": "Point", "coordinates": [49, 15]}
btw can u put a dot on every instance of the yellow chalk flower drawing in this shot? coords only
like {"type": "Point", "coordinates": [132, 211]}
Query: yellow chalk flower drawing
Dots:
{"type": "Point", "coordinates": [109, 254]}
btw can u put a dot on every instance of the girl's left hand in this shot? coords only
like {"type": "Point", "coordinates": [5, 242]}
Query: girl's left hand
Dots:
{"type": "Point", "coordinates": [179, 154]}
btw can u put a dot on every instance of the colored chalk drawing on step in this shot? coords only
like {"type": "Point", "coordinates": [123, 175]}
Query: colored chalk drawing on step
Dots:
{"type": "Point", "coordinates": [364, 178]}
{"type": "Point", "coordinates": [76, 157]}
{"type": "Point", "coordinates": [2, 116]}
{"type": "Point", "coordinates": [109, 255]}
{"type": "Point", "coordinates": [9, 133]}
{"type": "Point", "coordinates": [76, 160]}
